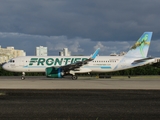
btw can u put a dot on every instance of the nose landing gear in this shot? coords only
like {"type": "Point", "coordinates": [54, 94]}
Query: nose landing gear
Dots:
{"type": "Point", "coordinates": [23, 76]}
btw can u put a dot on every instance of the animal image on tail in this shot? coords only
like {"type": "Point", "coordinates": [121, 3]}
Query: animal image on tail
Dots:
{"type": "Point", "coordinates": [141, 47]}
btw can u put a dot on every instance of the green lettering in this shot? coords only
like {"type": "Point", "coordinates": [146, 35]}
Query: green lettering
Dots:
{"type": "Point", "coordinates": [49, 61]}
{"type": "Point", "coordinates": [72, 61]}
{"type": "Point", "coordinates": [33, 60]}
{"type": "Point", "coordinates": [66, 60]}
{"type": "Point", "coordinates": [83, 59]}
{"type": "Point", "coordinates": [41, 61]}
{"type": "Point", "coordinates": [77, 59]}
{"type": "Point", "coordinates": [58, 61]}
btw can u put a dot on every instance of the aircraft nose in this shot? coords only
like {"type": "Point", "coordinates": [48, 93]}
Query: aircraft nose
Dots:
{"type": "Point", "coordinates": [5, 66]}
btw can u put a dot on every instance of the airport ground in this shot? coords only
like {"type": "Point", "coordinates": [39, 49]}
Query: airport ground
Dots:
{"type": "Point", "coordinates": [115, 82]}
{"type": "Point", "coordinates": [136, 98]}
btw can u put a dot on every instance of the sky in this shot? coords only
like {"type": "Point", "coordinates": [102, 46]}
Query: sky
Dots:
{"type": "Point", "coordinates": [80, 25]}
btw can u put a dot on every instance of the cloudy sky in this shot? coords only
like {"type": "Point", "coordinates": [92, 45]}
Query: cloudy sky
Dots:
{"type": "Point", "coordinates": [80, 25]}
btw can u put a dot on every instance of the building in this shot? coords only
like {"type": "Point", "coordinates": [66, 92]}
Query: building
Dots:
{"type": "Point", "coordinates": [121, 54]}
{"type": "Point", "coordinates": [157, 60]}
{"type": "Point", "coordinates": [8, 53]}
{"type": "Point", "coordinates": [41, 51]}
{"type": "Point", "coordinates": [65, 52]}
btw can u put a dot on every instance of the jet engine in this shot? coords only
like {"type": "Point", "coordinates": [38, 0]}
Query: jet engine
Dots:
{"type": "Point", "coordinates": [53, 72]}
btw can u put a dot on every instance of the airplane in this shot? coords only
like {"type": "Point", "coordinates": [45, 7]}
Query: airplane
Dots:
{"type": "Point", "coordinates": [60, 66]}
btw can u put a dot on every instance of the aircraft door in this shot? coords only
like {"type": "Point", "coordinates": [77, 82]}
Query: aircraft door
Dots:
{"type": "Point", "coordinates": [23, 64]}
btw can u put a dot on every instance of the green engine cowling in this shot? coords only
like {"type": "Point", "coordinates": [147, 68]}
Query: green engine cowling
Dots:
{"type": "Point", "coordinates": [53, 72]}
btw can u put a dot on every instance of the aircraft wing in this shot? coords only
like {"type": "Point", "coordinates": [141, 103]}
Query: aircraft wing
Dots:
{"type": "Point", "coordinates": [142, 60]}
{"type": "Point", "coordinates": [80, 63]}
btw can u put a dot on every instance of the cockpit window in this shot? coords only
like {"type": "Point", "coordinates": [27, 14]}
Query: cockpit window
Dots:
{"type": "Point", "coordinates": [12, 61]}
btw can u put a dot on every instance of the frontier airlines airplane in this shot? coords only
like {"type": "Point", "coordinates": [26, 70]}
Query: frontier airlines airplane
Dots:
{"type": "Point", "coordinates": [60, 66]}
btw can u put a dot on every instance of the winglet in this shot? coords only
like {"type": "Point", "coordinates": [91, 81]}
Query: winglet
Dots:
{"type": "Point", "coordinates": [95, 54]}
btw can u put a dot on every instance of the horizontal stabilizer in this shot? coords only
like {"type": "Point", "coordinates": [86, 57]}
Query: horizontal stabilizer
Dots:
{"type": "Point", "coordinates": [142, 60]}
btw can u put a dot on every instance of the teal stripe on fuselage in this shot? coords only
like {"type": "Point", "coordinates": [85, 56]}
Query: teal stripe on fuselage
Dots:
{"type": "Point", "coordinates": [106, 67]}
{"type": "Point", "coordinates": [102, 67]}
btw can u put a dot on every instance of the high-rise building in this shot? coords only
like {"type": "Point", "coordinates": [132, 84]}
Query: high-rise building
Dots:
{"type": "Point", "coordinates": [65, 52]}
{"type": "Point", "coordinates": [10, 52]}
{"type": "Point", "coordinates": [41, 51]}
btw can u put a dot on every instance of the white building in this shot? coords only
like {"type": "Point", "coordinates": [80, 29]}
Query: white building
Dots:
{"type": "Point", "coordinates": [121, 54]}
{"type": "Point", "coordinates": [157, 60]}
{"type": "Point", "coordinates": [41, 51]}
{"type": "Point", "coordinates": [9, 52]}
{"type": "Point", "coordinates": [65, 52]}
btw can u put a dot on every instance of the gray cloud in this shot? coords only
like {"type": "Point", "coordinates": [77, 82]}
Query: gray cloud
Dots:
{"type": "Point", "coordinates": [80, 22]}
{"type": "Point", "coordinates": [98, 20]}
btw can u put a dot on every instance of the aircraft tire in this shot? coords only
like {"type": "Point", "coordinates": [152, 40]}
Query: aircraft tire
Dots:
{"type": "Point", "coordinates": [74, 77]}
{"type": "Point", "coordinates": [22, 78]}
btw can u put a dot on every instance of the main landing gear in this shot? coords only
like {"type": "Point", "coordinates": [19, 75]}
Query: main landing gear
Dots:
{"type": "Point", "coordinates": [74, 77]}
{"type": "Point", "coordinates": [23, 76]}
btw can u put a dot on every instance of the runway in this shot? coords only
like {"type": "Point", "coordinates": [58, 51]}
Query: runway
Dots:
{"type": "Point", "coordinates": [137, 98]}
{"type": "Point", "coordinates": [120, 82]}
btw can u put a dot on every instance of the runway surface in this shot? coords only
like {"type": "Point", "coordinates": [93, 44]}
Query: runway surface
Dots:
{"type": "Point", "coordinates": [137, 98]}
{"type": "Point", "coordinates": [138, 82]}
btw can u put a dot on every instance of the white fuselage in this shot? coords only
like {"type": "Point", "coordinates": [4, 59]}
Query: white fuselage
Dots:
{"type": "Point", "coordinates": [99, 64]}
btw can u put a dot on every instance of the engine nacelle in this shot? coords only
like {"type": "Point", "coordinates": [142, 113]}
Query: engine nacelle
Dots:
{"type": "Point", "coordinates": [53, 72]}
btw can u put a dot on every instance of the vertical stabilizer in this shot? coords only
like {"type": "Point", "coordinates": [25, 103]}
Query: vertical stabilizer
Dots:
{"type": "Point", "coordinates": [140, 48]}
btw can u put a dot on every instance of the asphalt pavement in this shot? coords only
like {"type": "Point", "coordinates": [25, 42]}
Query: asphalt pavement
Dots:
{"type": "Point", "coordinates": [79, 104]}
